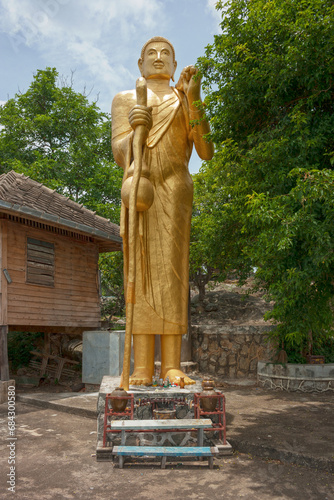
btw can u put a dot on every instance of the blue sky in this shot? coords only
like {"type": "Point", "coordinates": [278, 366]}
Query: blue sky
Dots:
{"type": "Point", "coordinates": [100, 40]}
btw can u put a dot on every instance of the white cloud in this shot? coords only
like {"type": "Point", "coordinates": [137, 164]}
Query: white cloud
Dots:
{"type": "Point", "coordinates": [85, 19]}
{"type": "Point", "coordinates": [86, 33]}
{"type": "Point", "coordinates": [98, 62]}
{"type": "Point", "coordinates": [216, 14]}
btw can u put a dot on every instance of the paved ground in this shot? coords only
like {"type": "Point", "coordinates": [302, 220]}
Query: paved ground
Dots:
{"type": "Point", "coordinates": [54, 451]}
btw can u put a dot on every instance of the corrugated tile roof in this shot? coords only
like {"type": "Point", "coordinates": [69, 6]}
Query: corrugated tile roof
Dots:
{"type": "Point", "coordinates": [26, 194]}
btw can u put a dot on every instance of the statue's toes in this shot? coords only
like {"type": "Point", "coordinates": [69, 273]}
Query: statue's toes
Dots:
{"type": "Point", "coordinates": [189, 381]}
{"type": "Point", "coordinates": [139, 381]}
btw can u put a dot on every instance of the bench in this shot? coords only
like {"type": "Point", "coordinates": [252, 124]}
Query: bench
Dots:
{"type": "Point", "coordinates": [175, 425]}
{"type": "Point", "coordinates": [164, 452]}
{"type": "Point", "coordinates": [172, 425]}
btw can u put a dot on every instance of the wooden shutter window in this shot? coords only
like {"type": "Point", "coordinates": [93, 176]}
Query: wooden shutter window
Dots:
{"type": "Point", "coordinates": [40, 262]}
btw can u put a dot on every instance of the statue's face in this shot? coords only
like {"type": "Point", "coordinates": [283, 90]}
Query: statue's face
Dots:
{"type": "Point", "coordinates": [158, 61]}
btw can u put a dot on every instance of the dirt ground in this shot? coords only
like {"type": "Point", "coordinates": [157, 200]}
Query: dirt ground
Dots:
{"type": "Point", "coordinates": [229, 304]}
{"type": "Point", "coordinates": [55, 460]}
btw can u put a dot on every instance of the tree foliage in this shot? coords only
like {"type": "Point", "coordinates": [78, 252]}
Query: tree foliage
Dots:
{"type": "Point", "coordinates": [214, 244]}
{"type": "Point", "coordinates": [57, 137]}
{"type": "Point", "coordinates": [112, 284]}
{"type": "Point", "coordinates": [269, 78]}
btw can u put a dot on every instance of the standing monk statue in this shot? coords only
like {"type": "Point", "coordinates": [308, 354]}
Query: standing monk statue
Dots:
{"type": "Point", "coordinates": [163, 231]}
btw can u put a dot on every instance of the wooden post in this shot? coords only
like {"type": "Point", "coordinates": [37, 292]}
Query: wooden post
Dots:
{"type": "Point", "coordinates": [4, 367]}
{"type": "Point", "coordinates": [3, 265]}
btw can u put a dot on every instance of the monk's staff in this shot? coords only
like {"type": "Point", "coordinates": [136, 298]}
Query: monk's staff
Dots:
{"type": "Point", "coordinates": [138, 141]}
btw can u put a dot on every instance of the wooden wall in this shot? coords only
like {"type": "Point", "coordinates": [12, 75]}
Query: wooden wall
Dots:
{"type": "Point", "coordinates": [73, 301]}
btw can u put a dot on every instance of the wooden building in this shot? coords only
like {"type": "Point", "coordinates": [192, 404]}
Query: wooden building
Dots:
{"type": "Point", "coordinates": [49, 248]}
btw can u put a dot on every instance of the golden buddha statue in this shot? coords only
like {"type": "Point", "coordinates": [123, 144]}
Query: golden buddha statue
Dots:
{"type": "Point", "coordinates": [163, 232]}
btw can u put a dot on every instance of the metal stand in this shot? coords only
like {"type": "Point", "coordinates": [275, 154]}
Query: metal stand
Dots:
{"type": "Point", "coordinates": [219, 426]}
{"type": "Point", "coordinates": [109, 412]}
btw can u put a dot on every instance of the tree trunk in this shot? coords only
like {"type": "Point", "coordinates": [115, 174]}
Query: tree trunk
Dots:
{"type": "Point", "coordinates": [201, 291]}
{"type": "Point", "coordinates": [201, 280]}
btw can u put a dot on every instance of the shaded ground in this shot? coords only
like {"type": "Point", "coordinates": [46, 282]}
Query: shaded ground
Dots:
{"type": "Point", "coordinates": [54, 461]}
{"type": "Point", "coordinates": [282, 424]}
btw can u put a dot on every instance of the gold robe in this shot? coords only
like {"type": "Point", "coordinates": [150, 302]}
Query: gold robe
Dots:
{"type": "Point", "coordinates": [162, 265]}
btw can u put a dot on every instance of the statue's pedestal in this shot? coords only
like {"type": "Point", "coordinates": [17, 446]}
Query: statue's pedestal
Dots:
{"type": "Point", "coordinates": [143, 411]}
{"type": "Point", "coordinates": [145, 399]}
{"type": "Point", "coordinates": [141, 392]}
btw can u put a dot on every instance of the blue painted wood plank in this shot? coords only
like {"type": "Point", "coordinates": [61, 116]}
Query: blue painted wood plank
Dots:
{"type": "Point", "coordinates": [159, 451]}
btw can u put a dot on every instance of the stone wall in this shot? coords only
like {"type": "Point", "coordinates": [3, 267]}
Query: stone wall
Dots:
{"type": "Point", "coordinates": [230, 351]}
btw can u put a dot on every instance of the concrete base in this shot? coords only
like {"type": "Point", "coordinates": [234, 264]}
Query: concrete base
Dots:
{"type": "Point", "coordinates": [142, 391]}
{"type": "Point", "coordinates": [4, 384]}
{"type": "Point", "coordinates": [296, 377]}
{"type": "Point", "coordinates": [102, 354]}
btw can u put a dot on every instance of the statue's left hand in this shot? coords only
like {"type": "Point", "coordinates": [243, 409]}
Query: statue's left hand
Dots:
{"type": "Point", "coordinates": [189, 85]}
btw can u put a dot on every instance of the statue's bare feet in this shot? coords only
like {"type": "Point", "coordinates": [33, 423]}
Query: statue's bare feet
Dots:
{"type": "Point", "coordinates": [141, 376]}
{"type": "Point", "coordinates": [174, 376]}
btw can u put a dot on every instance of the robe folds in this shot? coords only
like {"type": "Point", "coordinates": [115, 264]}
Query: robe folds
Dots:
{"type": "Point", "coordinates": [162, 248]}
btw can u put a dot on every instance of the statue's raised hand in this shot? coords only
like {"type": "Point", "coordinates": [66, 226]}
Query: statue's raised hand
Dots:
{"type": "Point", "coordinates": [188, 84]}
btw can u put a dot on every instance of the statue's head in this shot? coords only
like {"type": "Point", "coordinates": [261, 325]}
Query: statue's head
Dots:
{"type": "Point", "coordinates": [157, 59]}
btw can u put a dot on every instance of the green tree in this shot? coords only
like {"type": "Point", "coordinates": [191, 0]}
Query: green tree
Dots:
{"type": "Point", "coordinates": [112, 284]}
{"type": "Point", "coordinates": [57, 137]}
{"type": "Point", "coordinates": [269, 78]}
{"type": "Point", "coordinates": [214, 243]}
